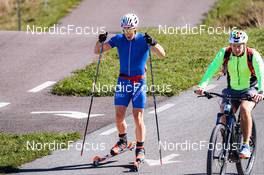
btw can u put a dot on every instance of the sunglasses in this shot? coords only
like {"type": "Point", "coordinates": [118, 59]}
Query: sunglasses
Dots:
{"type": "Point", "coordinates": [129, 31]}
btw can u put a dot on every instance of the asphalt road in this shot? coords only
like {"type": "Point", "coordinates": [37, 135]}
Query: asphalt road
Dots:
{"type": "Point", "coordinates": [185, 129]}
{"type": "Point", "coordinates": [28, 61]}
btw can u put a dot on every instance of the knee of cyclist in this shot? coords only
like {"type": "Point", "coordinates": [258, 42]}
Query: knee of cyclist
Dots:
{"type": "Point", "coordinates": [244, 111]}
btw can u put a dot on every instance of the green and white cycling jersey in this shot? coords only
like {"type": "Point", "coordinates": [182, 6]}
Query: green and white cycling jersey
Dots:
{"type": "Point", "coordinates": [238, 73]}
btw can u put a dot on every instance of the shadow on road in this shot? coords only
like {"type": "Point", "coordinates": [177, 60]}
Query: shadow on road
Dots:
{"type": "Point", "coordinates": [10, 169]}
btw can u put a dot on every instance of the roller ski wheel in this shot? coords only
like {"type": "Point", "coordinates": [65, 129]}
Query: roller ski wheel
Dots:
{"type": "Point", "coordinates": [99, 159]}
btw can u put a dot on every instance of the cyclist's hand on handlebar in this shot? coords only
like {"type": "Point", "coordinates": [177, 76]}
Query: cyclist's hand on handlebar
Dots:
{"type": "Point", "coordinates": [258, 97]}
{"type": "Point", "coordinates": [199, 91]}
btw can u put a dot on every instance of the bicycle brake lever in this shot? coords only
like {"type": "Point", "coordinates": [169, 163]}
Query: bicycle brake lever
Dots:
{"type": "Point", "coordinates": [207, 96]}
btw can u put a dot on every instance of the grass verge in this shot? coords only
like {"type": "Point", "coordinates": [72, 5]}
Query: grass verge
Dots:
{"type": "Point", "coordinates": [187, 58]}
{"type": "Point", "coordinates": [236, 13]}
{"type": "Point", "coordinates": [42, 13]}
{"type": "Point", "coordinates": [17, 149]}
{"type": "Point", "coordinates": [187, 55]}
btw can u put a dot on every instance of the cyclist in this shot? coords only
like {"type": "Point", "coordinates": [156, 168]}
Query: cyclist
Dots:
{"type": "Point", "coordinates": [245, 75]}
{"type": "Point", "coordinates": [133, 50]}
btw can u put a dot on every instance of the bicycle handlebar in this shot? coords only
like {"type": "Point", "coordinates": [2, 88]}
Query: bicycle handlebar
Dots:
{"type": "Point", "coordinates": [210, 95]}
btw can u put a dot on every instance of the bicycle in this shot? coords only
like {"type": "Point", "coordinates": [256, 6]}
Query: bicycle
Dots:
{"type": "Point", "coordinates": [231, 138]}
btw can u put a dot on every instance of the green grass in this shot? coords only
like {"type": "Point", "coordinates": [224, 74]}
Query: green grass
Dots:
{"type": "Point", "coordinates": [187, 55]}
{"type": "Point", "coordinates": [187, 59]}
{"type": "Point", "coordinates": [14, 148]}
{"type": "Point", "coordinates": [34, 13]}
{"type": "Point", "coordinates": [236, 13]}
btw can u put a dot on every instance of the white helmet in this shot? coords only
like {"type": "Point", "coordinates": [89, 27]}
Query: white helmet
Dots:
{"type": "Point", "coordinates": [238, 36]}
{"type": "Point", "coordinates": [130, 20]}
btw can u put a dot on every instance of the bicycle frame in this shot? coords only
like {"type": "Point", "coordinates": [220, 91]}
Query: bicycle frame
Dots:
{"type": "Point", "coordinates": [232, 126]}
{"type": "Point", "coordinates": [231, 130]}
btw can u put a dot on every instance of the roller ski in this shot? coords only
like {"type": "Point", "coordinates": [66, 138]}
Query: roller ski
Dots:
{"type": "Point", "coordinates": [118, 149]}
{"type": "Point", "coordinates": [140, 158]}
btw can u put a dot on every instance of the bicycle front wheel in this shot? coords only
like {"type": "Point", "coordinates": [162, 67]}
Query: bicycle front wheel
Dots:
{"type": "Point", "coordinates": [216, 158]}
{"type": "Point", "coordinates": [245, 166]}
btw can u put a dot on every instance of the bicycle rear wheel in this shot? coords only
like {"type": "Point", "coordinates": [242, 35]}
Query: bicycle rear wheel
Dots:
{"type": "Point", "coordinates": [245, 166]}
{"type": "Point", "coordinates": [216, 160]}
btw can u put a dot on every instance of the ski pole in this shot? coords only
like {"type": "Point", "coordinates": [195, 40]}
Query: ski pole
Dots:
{"type": "Point", "coordinates": [155, 104]}
{"type": "Point", "coordinates": [91, 102]}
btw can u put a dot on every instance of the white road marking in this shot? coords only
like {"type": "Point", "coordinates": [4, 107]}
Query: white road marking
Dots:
{"type": "Point", "coordinates": [211, 86]}
{"type": "Point", "coordinates": [42, 86]}
{"type": "Point", "coordinates": [109, 131]}
{"type": "Point", "coordinates": [3, 104]}
{"type": "Point", "coordinates": [71, 114]}
{"type": "Point", "coordinates": [165, 160]}
{"type": "Point", "coordinates": [162, 108]}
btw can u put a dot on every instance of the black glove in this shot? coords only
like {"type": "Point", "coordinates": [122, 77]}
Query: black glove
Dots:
{"type": "Point", "coordinates": [102, 37]}
{"type": "Point", "coordinates": [151, 41]}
